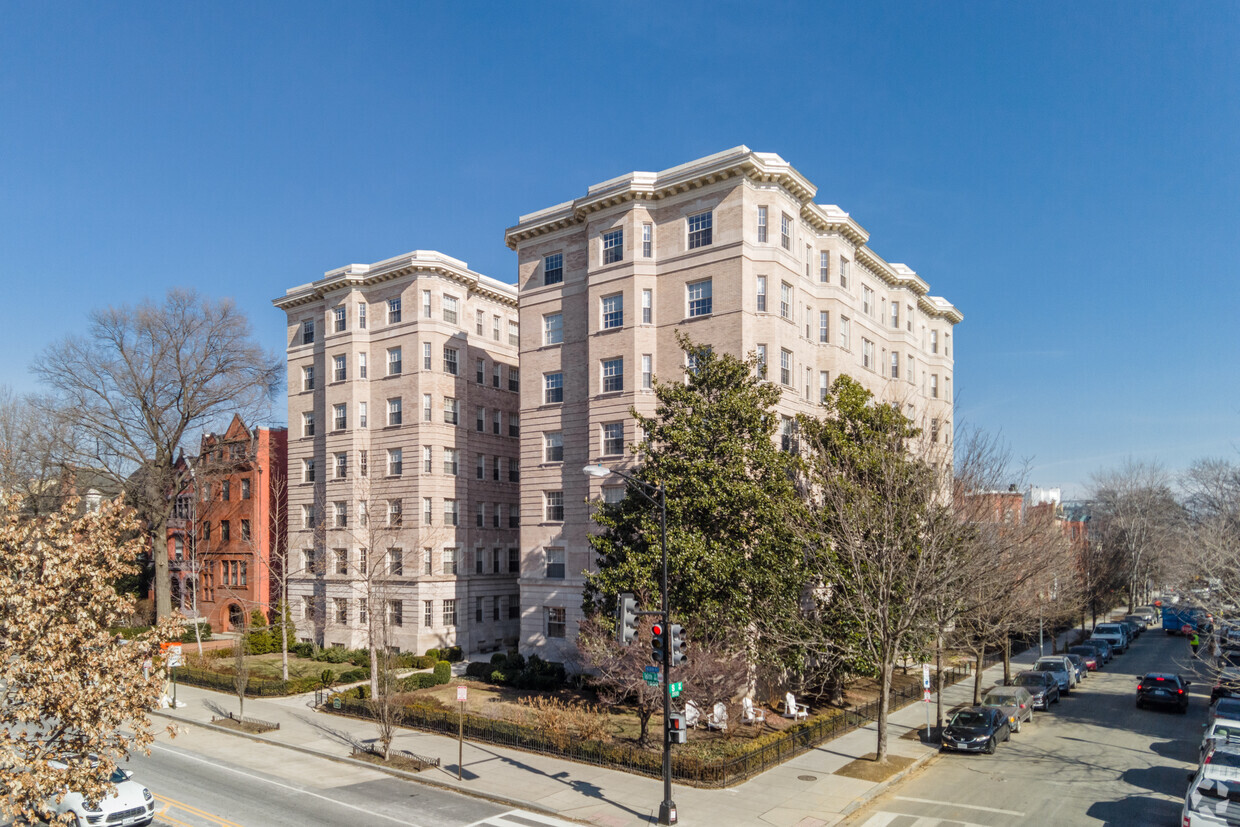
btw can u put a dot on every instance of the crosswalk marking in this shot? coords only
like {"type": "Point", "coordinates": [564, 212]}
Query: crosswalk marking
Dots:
{"type": "Point", "coordinates": [886, 819]}
{"type": "Point", "coordinates": [522, 818]}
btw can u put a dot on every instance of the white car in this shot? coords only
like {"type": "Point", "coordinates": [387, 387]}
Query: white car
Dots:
{"type": "Point", "coordinates": [132, 806]}
{"type": "Point", "coordinates": [1214, 790]}
{"type": "Point", "coordinates": [1061, 668]}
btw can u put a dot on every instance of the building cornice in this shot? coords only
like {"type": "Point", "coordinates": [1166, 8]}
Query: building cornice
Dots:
{"type": "Point", "coordinates": [415, 263]}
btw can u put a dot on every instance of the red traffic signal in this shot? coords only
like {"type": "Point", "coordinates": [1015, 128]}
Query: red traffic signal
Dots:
{"type": "Point", "coordinates": [657, 630]}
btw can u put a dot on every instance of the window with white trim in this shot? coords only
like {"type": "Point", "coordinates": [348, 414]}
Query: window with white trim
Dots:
{"type": "Point", "coordinates": [553, 268]}
{"type": "Point", "coordinates": [867, 353]}
{"type": "Point", "coordinates": [647, 240]}
{"type": "Point", "coordinates": [451, 513]}
{"type": "Point", "coordinates": [553, 388]}
{"type": "Point", "coordinates": [867, 301]}
{"type": "Point", "coordinates": [700, 229]}
{"type": "Point", "coordinates": [557, 622]}
{"type": "Point", "coordinates": [555, 563]}
{"type": "Point", "coordinates": [785, 367]}
{"type": "Point", "coordinates": [451, 361]}
{"type": "Point", "coordinates": [395, 512]}
{"type": "Point", "coordinates": [553, 446]}
{"type": "Point", "coordinates": [785, 231]}
{"type": "Point", "coordinates": [426, 304]}
{"type": "Point", "coordinates": [613, 246]}
{"type": "Point", "coordinates": [761, 225]}
{"type": "Point", "coordinates": [307, 332]}
{"type": "Point", "coordinates": [395, 415]}
{"type": "Point", "coordinates": [824, 268]}
{"type": "Point", "coordinates": [338, 318]}
{"type": "Point", "coordinates": [450, 461]}
{"type": "Point", "coordinates": [450, 304]}
{"type": "Point", "coordinates": [895, 365]}
{"type": "Point", "coordinates": [361, 315]}
{"type": "Point", "coordinates": [761, 294]}
{"type": "Point", "coordinates": [554, 506]}
{"type": "Point", "coordinates": [761, 348]}
{"type": "Point", "coordinates": [393, 311]}
{"type": "Point", "coordinates": [451, 410]}
{"type": "Point", "coordinates": [699, 295]}
{"type": "Point", "coordinates": [393, 361]}
{"type": "Point", "coordinates": [613, 375]}
{"type": "Point", "coordinates": [361, 366]}
{"type": "Point", "coordinates": [844, 271]}
{"type": "Point", "coordinates": [395, 465]}
{"type": "Point", "coordinates": [647, 306]}
{"type": "Point", "coordinates": [647, 371]}
{"type": "Point", "coordinates": [613, 439]}
{"type": "Point", "coordinates": [824, 327]}
{"type": "Point", "coordinates": [613, 311]}
{"type": "Point", "coordinates": [340, 416]}
{"type": "Point", "coordinates": [427, 414]}
{"type": "Point", "coordinates": [342, 465]}
{"type": "Point", "coordinates": [785, 300]}
{"type": "Point", "coordinates": [307, 423]}
{"type": "Point", "coordinates": [307, 378]}
{"type": "Point", "coordinates": [824, 385]}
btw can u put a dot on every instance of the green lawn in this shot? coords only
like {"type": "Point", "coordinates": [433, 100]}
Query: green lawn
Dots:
{"type": "Point", "coordinates": [268, 666]}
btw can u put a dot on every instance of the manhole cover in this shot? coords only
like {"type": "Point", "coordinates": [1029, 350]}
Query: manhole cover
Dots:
{"type": "Point", "coordinates": [807, 778]}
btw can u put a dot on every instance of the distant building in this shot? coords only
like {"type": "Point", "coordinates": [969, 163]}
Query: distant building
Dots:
{"type": "Point", "coordinates": [733, 251]}
{"type": "Point", "coordinates": [227, 526]}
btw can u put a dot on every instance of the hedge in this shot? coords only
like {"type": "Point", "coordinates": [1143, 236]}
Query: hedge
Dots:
{"type": "Point", "coordinates": [258, 687]}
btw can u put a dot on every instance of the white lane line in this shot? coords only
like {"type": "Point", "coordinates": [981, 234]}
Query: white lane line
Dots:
{"type": "Point", "coordinates": [371, 813]}
{"type": "Point", "coordinates": [954, 804]}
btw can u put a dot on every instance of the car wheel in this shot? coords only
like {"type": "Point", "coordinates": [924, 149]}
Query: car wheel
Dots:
{"type": "Point", "coordinates": [990, 746]}
{"type": "Point", "coordinates": [1138, 703]}
{"type": "Point", "coordinates": [1017, 729]}
{"type": "Point", "coordinates": [1008, 737]}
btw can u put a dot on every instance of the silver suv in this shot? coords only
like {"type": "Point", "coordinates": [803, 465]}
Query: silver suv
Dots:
{"type": "Point", "coordinates": [1113, 633]}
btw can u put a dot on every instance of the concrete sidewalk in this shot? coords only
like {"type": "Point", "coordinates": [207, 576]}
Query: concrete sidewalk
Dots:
{"type": "Point", "coordinates": [802, 792]}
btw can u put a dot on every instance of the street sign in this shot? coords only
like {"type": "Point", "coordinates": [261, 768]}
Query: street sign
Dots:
{"type": "Point", "coordinates": [652, 670]}
{"type": "Point", "coordinates": [173, 652]}
{"type": "Point", "coordinates": [926, 695]}
{"type": "Point", "coordinates": [925, 676]}
{"type": "Point", "coordinates": [653, 680]}
{"type": "Point", "coordinates": [675, 689]}
{"type": "Point", "coordinates": [460, 694]}
{"type": "Point", "coordinates": [336, 702]}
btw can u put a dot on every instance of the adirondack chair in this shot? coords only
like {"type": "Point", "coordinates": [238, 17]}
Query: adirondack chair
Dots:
{"type": "Point", "coordinates": [693, 715]}
{"type": "Point", "coordinates": [718, 718]}
{"type": "Point", "coordinates": [749, 715]}
{"type": "Point", "coordinates": [794, 710]}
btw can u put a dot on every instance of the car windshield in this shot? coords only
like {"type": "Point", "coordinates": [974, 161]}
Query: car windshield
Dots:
{"type": "Point", "coordinates": [1050, 665]}
{"type": "Point", "coordinates": [118, 776]}
{"type": "Point", "coordinates": [999, 699]}
{"type": "Point", "coordinates": [969, 718]}
{"type": "Point", "coordinates": [1030, 680]}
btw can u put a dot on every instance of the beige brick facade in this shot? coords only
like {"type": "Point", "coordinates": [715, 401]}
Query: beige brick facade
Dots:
{"type": "Point", "coordinates": [812, 294]}
{"type": "Point", "coordinates": [436, 378]}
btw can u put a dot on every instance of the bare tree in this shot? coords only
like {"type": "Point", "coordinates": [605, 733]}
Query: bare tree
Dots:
{"type": "Point", "coordinates": [1135, 514]}
{"type": "Point", "coordinates": [35, 438]}
{"type": "Point", "coordinates": [241, 668]}
{"type": "Point", "coordinates": [142, 378]}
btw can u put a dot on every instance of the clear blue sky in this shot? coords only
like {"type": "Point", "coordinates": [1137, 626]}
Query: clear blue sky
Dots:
{"type": "Point", "coordinates": [1068, 174]}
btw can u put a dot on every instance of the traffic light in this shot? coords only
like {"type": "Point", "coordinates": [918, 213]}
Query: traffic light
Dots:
{"type": "Point", "coordinates": [626, 619]}
{"type": "Point", "coordinates": [676, 642]}
{"type": "Point", "coordinates": [676, 731]}
{"type": "Point", "coordinates": [656, 643]}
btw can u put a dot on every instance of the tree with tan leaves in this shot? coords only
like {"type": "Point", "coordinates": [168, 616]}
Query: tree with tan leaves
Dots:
{"type": "Point", "coordinates": [70, 690]}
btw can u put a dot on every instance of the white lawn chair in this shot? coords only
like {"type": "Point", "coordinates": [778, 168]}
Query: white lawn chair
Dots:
{"type": "Point", "coordinates": [693, 715]}
{"type": "Point", "coordinates": [794, 710]}
{"type": "Point", "coordinates": [749, 715]}
{"type": "Point", "coordinates": [718, 718]}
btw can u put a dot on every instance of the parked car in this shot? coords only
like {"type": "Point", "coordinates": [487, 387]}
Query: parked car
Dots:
{"type": "Point", "coordinates": [1013, 701]}
{"type": "Point", "coordinates": [1114, 634]}
{"type": "Point", "coordinates": [1061, 668]}
{"type": "Point", "coordinates": [1136, 623]}
{"type": "Point", "coordinates": [1079, 662]}
{"type": "Point", "coordinates": [1213, 796]}
{"type": "Point", "coordinates": [1103, 648]}
{"type": "Point", "coordinates": [1225, 708]}
{"type": "Point", "coordinates": [1041, 685]}
{"type": "Point", "coordinates": [1088, 654]}
{"type": "Point", "coordinates": [132, 806]}
{"type": "Point", "coordinates": [1163, 689]}
{"type": "Point", "coordinates": [976, 729]}
{"type": "Point", "coordinates": [1219, 731]}
{"type": "Point", "coordinates": [1149, 614]}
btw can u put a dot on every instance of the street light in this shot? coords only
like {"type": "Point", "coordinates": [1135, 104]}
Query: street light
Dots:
{"type": "Point", "coordinates": [657, 495]}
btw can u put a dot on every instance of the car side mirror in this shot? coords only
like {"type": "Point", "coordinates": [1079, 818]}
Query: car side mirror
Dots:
{"type": "Point", "coordinates": [1188, 683]}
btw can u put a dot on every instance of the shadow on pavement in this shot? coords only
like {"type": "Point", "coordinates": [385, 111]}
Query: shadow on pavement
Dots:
{"type": "Point", "coordinates": [1178, 750]}
{"type": "Point", "coordinates": [1166, 780]}
{"type": "Point", "coordinates": [1136, 809]}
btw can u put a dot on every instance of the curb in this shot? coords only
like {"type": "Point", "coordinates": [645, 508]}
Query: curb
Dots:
{"type": "Point", "coordinates": [353, 762]}
{"type": "Point", "coordinates": [882, 786]}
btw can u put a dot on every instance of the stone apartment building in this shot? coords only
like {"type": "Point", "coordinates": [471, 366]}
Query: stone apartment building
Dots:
{"type": "Point", "coordinates": [403, 455]}
{"type": "Point", "coordinates": [733, 251]}
{"type": "Point", "coordinates": [226, 524]}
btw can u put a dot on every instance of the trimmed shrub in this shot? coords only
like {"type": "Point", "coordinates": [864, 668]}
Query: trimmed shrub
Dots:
{"type": "Point", "coordinates": [302, 650]}
{"type": "Point", "coordinates": [453, 655]}
{"type": "Point", "coordinates": [498, 658]}
{"type": "Point", "coordinates": [499, 678]}
{"type": "Point", "coordinates": [443, 672]}
{"type": "Point", "coordinates": [421, 662]}
{"type": "Point", "coordinates": [332, 654]}
{"type": "Point", "coordinates": [433, 653]}
{"type": "Point", "coordinates": [353, 675]}
{"type": "Point", "coordinates": [481, 671]}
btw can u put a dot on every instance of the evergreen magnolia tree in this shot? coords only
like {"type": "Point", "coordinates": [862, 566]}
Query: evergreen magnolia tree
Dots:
{"type": "Point", "coordinates": [710, 444]}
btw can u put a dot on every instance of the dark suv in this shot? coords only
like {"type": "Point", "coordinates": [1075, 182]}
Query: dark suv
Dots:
{"type": "Point", "coordinates": [1163, 688]}
{"type": "Point", "coordinates": [1043, 686]}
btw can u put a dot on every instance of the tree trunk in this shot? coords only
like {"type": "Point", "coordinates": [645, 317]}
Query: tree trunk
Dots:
{"type": "Point", "coordinates": [938, 680]}
{"type": "Point", "coordinates": [284, 613]}
{"type": "Point", "coordinates": [978, 655]}
{"type": "Point", "coordinates": [884, 704]}
{"type": "Point", "coordinates": [1007, 660]}
{"type": "Point", "coordinates": [159, 553]}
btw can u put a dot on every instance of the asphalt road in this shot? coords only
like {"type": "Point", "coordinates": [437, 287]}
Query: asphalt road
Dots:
{"type": "Point", "coordinates": [1093, 759]}
{"type": "Point", "coordinates": [265, 786]}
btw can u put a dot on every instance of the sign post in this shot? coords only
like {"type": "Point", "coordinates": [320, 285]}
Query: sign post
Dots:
{"type": "Point", "coordinates": [925, 691]}
{"type": "Point", "coordinates": [460, 731]}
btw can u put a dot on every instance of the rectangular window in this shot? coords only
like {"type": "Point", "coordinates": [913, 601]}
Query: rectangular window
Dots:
{"type": "Point", "coordinates": [514, 561]}
{"type": "Point", "coordinates": [245, 527]}
{"type": "Point", "coordinates": [700, 230]}
{"type": "Point", "coordinates": [342, 609]}
{"type": "Point", "coordinates": [514, 470]}
{"type": "Point", "coordinates": [553, 329]}
{"type": "Point", "coordinates": [761, 366]}
{"type": "Point", "coordinates": [361, 414]}
{"type": "Point", "coordinates": [450, 464]}
{"type": "Point", "coordinates": [844, 273]}
{"type": "Point", "coordinates": [495, 328]}
{"type": "Point", "coordinates": [845, 336]}
{"type": "Point", "coordinates": [555, 563]}
{"type": "Point", "coordinates": [394, 462]}
{"type": "Point", "coordinates": [934, 343]}
{"type": "Point", "coordinates": [427, 413]}
{"type": "Point", "coordinates": [396, 612]}
{"type": "Point", "coordinates": [785, 367]}
{"type": "Point", "coordinates": [226, 490]}
{"type": "Point", "coordinates": [340, 363]}
{"type": "Point", "coordinates": [245, 489]}
{"type": "Point", "coordinates": [498, 517]}
{"type": "Point", "coordinates": [449, 560]}
{"type": "Point", "coordinates": [225, 531]}
{"type": "Point", "coordinates": [613, 438]}
{"type": "Point", "coordinates": [908, 318]}
{"type": "Point", "coordinates": [342, 560]}
{"type": "Point", "coordinates": [307, 520]}
{"type": "Point", "coordinates": [934, 430]}
{"type": "Point", "coordinates": [895, 315]}
{"type": "Point", "coordinates": [761, 225]}
{"type": "Point", "coordinates": [393, 361]}
{"type": "Point", "coordinates": [553, 446]}
{"type": "Point", "coordinates": [480, 371]}
{"type": "Point", "coordinates": [497, 422]}
{"type": "Point", "coordinates": [613, 375]}
{"type": "Point", "coordinates": [495, 375]}
{"type": "Point", "coordinates": [553, 268]}
{"type": "Point", "coordinates": [395, 415]}
{"type": "Point", "coordinates": [808, 376]}
{"type": "Point", "coordinates": [867, 354]}
{"type": "Point", "coordinates": [934, 386]}
{"type": "Point", "coordinates": [307, 470]}
{"type": "Point", "coordinates": [647, 306]}
{"type": "Point", "coordinates": [307, 332]}
{"type": "Point", "coordinates": [449, 309]}
{"type": "Point", "coordinates": [427, 464]}
{"type": "Point", "coordinates": [495, 468]}
{"type": "Point", "coordinates": [340, 514]}
{"type": "Point", "coordinates": [647, 240]}
{"type": "Point", "coordinates": [340, 417]}
{"type": "Point", "coordinates": [395, 512]}
{"type": "Point", "coordinates": [514, 379]}
{"type": "Point", "coordinates": [805, 311]}
{"type": "Point", "coordinates": [480, 422]}
{"type": "Point", "coordinates": [824, 386]}
{"type": "Point", "coordinates": [824, 271]}
{"type": "Point", "coordinates": [361, 315]}
{"type": "Point", "coordinates": [912, 369]}
{"type": "Point", "coordinates": [557, 622]}
{"type": "Point", "coordinates": [553, 388]}
{"type": "Point", "coordinates": [613, 246]}
{"type": "Point", "coordinates": [867, 301]}
{"type": "Point", "coordinates": [480, 320]}
{"type": "Point", "coordinates": [426, 356]}
{"type": "Point", "coordinates": [809, 253]}
{"type": "Point", "coordinates": [554, 510]}
{"type": "Point", "coordinates": [363, 464]}
{"type": "Point", "coordinates": [824, 327]}
{"type": "Point", "coordinates": [426, 304]}
{"type": "Point", "coordinates": [362, 617]}
{"type": "Point", "coordinates": [761, 294]}
{"type": "Point", "coordinates": [613, 311]}
{"type": "Point", "coordinates": [478, 601]}
{"type": "Point", "coordinates": [895, 365]}
{"type": "Point", "coordinates": [450, 410]}
{"type": "Point", "coordinates": [647, 371]}
{"type": "Point", "coordinates": [361, 366]}
{"type": "Point", "coordinates": [785, 231]}
{"type": "Point", "coordinates": [699, 294]}
{"type": "Point", "coordinates": [785, 300]}
{"type": "Point", "coordinates": [480, 515]}
{"type": "Point", "coordinates": [481, 471]}
{"type": "Point", "coordinates": [451, 513]}
{"type": "Point", "coordinates": [307, 378]}
{"type": "Point", "coordinates": [514, 424]}
{"type": "Point", "coordinates": [450, 363]}
{"type": "Point", "coordinates": [307, 424]}
{"type": "Point", "coordinates": [342, 465]}
{"type": "Point", "coordinates": [514, 333]}
{"type": "Point", "coordinates": [393, 311]}
{"type": "Point", "coordinates": [396, 562]}
{"type": "Point", "coordinates": [449, 612]}
{"type": "Point", "coordinates": [428, 513]}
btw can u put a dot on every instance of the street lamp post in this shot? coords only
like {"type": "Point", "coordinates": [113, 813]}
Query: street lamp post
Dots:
{"type": "Point", "coordinates": [667, 808]}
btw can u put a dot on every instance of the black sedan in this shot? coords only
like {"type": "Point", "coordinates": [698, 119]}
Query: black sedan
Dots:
{"type": "Point", "coordinates": [1043, 686]}
{"type": "Point", "coordinates": [976, 729]}
{"type": "Point", "coordinates": [1163, 689]}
